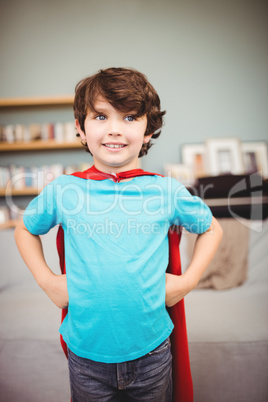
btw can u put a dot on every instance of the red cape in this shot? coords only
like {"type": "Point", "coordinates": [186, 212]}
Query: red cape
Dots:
{"type": "Point", "coordinates": [182, 379]}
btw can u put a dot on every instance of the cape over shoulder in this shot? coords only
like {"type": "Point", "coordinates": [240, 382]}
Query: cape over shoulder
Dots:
{"type": "Point", "coordinates": [94, 174]}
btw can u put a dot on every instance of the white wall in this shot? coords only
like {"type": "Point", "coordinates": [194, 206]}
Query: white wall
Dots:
{"type": "Point", "coordinates": [208, 59]}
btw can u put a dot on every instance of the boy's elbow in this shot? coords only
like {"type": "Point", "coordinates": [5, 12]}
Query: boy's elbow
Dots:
{"type": "Point", "coordinates": [217, 229]}
{"type": "Point", "coordinates": [19, 228]}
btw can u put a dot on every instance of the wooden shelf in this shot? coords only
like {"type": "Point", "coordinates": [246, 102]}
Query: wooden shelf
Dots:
{"type": "Point", "coordinates": [216, 202]}
{"type": "Point", "coordinates": [22, 191]}
{"type": "Point", "coordinates": [24, 104]}
{"type": "Point", "coordinates": [38, 145]}
{"type": "Point", "coordinates": [37, 101]}
{"type": "Point", "coordinates": [9, 224]}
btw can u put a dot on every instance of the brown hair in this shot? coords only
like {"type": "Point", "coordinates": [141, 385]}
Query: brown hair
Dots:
{"type": "Point", "coordinates": [126, 90]}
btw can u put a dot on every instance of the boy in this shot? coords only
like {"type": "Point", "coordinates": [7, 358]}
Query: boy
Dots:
{"type": "Point", "coordinates": [116, 246]}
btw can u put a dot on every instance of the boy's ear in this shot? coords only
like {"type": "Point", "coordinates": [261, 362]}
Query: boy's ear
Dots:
{"type": "Point", "coordinates": [147, 138]}
{"type": "Point", "coordinates": [79, 130]}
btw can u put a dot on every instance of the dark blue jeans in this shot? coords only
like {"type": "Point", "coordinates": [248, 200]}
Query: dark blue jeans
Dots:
{"type": "Point", "coordinates": [148, 378]}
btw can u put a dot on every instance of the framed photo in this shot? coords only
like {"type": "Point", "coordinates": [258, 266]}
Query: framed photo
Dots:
{"type": "Point", "coordinates": [224, 156]}
{"type": "Point", "coordinates": [194, 156]}
{"type": "Point", "coordinates": [255, 157]}
{"type": "Point", "coordinates": [183, 173]}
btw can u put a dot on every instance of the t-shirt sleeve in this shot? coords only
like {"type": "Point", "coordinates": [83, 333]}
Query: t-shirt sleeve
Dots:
{"type": "Point", "coordinates": [190, 211]}
{"type": "Point", "coordinates": [42, 213]}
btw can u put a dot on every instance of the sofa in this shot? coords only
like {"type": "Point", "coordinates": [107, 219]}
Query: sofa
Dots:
{"type": "Point", "coordinates": [228, 325]}
{"type": "Point", "coordinates": [227, 329]}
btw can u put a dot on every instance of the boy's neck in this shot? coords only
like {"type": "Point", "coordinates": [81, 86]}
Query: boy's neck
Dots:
{"type": "Point", "coordinates": [122, 175]}
{"type": "Point", "coordinates": [115, 170]}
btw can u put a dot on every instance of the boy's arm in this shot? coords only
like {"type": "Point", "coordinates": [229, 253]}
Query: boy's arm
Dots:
{"type": "Point", "coordinates": [31, 250]}
{"type": "Point", "coordinates": [205, 248]}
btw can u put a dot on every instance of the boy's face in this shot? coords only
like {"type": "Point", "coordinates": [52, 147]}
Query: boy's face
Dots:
{"type": "Point", "coordinates": [114, 138]}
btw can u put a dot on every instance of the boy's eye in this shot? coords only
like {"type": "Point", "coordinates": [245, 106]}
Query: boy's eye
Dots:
{"type": "Point", "coordinates": [100, 117]}
{"type": "Point", "coordinates": [129, 118]}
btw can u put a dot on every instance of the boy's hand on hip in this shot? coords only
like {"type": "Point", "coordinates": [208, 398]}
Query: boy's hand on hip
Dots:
{"type": "Point", "coordinates": [56, 289]}
{"type": "Point", "coordinates": [176, 288]}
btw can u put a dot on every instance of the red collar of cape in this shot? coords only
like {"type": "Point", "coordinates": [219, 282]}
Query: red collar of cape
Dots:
{"type": "Point", "coordinates": [182, 379]}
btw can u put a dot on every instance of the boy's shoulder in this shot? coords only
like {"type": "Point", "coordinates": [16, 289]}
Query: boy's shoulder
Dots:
{"type": "Point", "coordinates": [62, 180]}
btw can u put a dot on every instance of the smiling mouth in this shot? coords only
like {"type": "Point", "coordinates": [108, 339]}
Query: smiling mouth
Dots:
{"type": "Point", "coordinates": [116, 146]}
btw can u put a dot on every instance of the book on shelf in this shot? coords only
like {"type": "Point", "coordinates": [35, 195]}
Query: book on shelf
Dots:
{"type": "Point", "coordinates": [4, 214]}
{"type": "Point", "coordinates": [5, 174]}
{"type": "Point", "coordinates": [10, 216]}
{"type": "Point", "coordinates": [14, 177]}
{"type": "Point", "coordinates": [35, 132]}
{"type": "Point", "coordinates": [60, 132]}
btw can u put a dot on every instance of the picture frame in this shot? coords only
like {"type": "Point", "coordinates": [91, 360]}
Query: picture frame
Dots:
{"type": "Point", "coordinates": [224, 156]}
{"type": "Point", "coordinates": [181, 172]}
{"type": "Point", "coordinates": [194, 156]}
{"type": "Point", "coordinates": [255, 157]}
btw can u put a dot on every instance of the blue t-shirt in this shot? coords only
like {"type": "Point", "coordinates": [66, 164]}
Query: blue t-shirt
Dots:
{"type": "Point", "coordinates": [116, 254]}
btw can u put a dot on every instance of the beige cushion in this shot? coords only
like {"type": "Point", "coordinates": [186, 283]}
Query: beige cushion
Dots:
{"type": "Point", "coordinates": [228, 269]}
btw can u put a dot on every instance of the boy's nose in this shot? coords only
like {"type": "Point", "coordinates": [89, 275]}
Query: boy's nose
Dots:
{"type": "Point", "coordinates": [115, 128]}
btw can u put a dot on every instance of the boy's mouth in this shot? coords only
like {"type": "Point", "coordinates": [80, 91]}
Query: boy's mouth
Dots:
{"type": "Point", "coordinates": [114, 145]}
